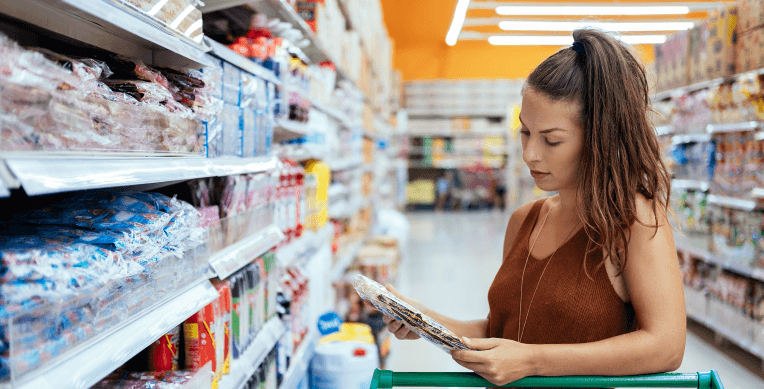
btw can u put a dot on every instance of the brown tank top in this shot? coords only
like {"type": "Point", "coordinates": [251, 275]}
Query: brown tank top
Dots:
{"type": "Point", "coordinates": [569, 307]}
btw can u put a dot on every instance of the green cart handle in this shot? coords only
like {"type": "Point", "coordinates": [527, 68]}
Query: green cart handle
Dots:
{"type": "Point", "coordinates": [701, 380]}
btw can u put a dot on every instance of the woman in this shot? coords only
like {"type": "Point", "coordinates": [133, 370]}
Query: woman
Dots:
{"type": "Point", "coordinates": [589, 283]}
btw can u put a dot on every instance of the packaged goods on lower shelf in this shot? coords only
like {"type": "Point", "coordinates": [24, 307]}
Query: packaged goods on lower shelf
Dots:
{"type": "Point", "coordinates": [83, 265]}
{"type": "Point", "coordinates": [737, 236]}
{"type": "Point", "coordinates": [53, 102]}
{"type": "Point", "coordinates": [172, 379]}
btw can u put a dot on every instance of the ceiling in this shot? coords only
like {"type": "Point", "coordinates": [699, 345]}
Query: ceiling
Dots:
{"type": "Point", "coordinates": [419, 27]}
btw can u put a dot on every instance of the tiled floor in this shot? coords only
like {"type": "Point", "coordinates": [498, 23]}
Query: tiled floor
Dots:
{"type": "Point", "coordinates": [450, 263]}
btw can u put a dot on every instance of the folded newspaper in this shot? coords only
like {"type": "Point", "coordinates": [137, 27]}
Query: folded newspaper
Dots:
{"type": "Point", "coordinates": [420, 323]}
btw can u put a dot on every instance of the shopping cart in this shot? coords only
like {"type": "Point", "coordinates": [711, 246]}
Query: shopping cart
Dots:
{"type": "Point", "coordinates": [700, 380]}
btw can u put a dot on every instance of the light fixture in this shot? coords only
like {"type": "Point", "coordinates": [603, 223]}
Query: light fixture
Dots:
{"type": "Point", "coordinates": [592, 10]}
{"type": "Point", "coordinates": [550, 40]}
{"type": "Point", "coordinates": [456, 24]}
{"type": "Point", "coordinates": [607, 26]}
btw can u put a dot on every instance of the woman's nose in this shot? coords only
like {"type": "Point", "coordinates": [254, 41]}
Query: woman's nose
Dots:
{"type": "Point", "coordinates": [530, 152]}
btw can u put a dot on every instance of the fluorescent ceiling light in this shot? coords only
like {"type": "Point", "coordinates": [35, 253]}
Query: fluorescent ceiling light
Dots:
{"type": "Point", "coordinates": [570, 26]}
{"type": "Point", "coordinates": [526, 40]}
{"type": "Point", "coordinates": [457, 22]}
{"type": "Point", "coordinates": [591, 10]}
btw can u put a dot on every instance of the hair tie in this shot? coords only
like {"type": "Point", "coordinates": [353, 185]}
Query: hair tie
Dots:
{"type": "Point", "coordinates": [578, 47]}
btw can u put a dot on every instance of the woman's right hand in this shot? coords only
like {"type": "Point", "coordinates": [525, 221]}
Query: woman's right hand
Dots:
{"type": "Point", "coordinates": [396, 327]}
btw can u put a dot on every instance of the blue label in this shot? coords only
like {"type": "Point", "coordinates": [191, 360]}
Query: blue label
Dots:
{"type": "Point", "coordinates": [329, 323]}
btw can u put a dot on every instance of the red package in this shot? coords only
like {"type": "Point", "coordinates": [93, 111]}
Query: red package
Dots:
{"type": "Point", "coordinates": [163, 354]}
{"type": "Point", "coordinates": [224, 289]}
{"type": "Point", "coordinates": [199, 335]}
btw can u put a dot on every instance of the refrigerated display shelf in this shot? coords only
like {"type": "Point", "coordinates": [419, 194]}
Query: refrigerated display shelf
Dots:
{"type": "Point", "coordinates": [241, 62]}
{"type": "Point", "coordinates": [111, 26]}
{"type": "Point", "coordinates": [732, 127]}
{"type": "Point", "coordinates": [684, 245]}
{"type": "Point", "coordinates": [238, 255]}
{"type": "Point", "coordinates": [346, 258]}
{"type": "Point", "coordinates": [39, 175]}
{"type": "Point", "coordinates": [300, 362]}
{"type": "Point", "coordinates": [244, 367]}
{"type": "Point", "coordinates": [87, 364]}
{"type": "Point", "coordinates": [690, 185]}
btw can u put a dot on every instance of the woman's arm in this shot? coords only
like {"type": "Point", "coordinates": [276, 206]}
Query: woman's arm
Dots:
{"type": "Point", "coordinates": [654, 283]}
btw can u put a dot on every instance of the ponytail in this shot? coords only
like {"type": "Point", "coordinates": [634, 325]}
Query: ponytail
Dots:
{"type": "Point", "coordinates": [621, 154]}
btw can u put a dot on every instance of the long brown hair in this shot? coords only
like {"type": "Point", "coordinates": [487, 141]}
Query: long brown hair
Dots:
{"type": "Point", "coordinates": [621, 154]}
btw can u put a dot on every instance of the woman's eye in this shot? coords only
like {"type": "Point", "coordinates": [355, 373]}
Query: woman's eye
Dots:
{"type": "Point", "coordinates": [551, 143]}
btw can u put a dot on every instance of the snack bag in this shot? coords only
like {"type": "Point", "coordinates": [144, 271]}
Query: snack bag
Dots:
{"type": "Point", "coordinates": [420, 323]}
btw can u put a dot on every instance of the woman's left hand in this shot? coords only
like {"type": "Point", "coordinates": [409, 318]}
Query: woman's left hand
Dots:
{"type": "Point", "coordinates": [499, 361]}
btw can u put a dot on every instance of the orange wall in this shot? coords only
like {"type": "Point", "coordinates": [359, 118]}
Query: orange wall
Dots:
{"type": "Point", "coordinates": [475, 59]}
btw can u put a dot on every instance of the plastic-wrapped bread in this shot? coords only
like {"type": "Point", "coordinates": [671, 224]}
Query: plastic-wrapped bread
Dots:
{"type": "Point", "coordinates": [420, 323]}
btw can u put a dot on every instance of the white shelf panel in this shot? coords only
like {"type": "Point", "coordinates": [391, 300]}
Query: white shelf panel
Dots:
{"type": "Point", "coordinates": [300, 247]}
{"type": "Point", "coordinates": [690, 185]}
{"type": "Point", "coordinates": [712, 324]}
{"type": "Point", "coordinates": [246, 365]}
{"type": "Point", "coordinates": [91, 362]}
{"type": "Point", "coordinates": [245, 64]}
{"type": "Point", "coordinates": [4, 191]}
{"type": "Point", "coordinates": [344, 163]}
{"type": "Point", "coordinates": [236, 256]}
{"type": "Point", "coordinates": [732, 127]}
{"type": "Point", "coordinates": [111, 26]}
{"type": "Point", "coordinates": [731, 202]}
{"type": "Point", "coordinates": [40, 175]}
{"type": "Point", "coordinates": [346, 259]}
{"type": "Point", "coordinates": [758, 193]}
{"type": "Point", "coordinates": [300, 361]}
{"type": "Point", "coordinates": [708, 257]}
{"type": "Point", "coordinates": [664, 130]}
{"type": "Point", "coordinates": [690, 138]}
{"type": "Point", "coordinates": [334, 113]}
{"type": "Point", "coordinates": [690, 88]}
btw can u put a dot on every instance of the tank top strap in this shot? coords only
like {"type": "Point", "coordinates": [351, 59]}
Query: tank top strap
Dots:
{"type": "Point", "coordinates": [523, 234]}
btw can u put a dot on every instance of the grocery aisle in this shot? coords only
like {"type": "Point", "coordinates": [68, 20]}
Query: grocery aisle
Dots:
{"type": "Point", "coordinates": [450, 263]}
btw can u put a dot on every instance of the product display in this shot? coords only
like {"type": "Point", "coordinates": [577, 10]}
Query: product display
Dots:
{"type": "Point", "coordinates": [425, 327]}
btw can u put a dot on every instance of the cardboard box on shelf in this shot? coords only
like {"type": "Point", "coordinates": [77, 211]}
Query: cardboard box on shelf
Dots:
{"type": "Point", "coordinates": [756, 41]}
{"type": "Point", "coordinates": [677, 52]}
{"type": "Point", "coordinates": [720, 46]}
{"type": "Point", "coordinates": [744, 49]}
{"type": "Point", "coordinates": [663, 81]}
{"type": "Point", "coordinates": [751, 15]}
{"type": "Point", "coordinates": [697, 57]}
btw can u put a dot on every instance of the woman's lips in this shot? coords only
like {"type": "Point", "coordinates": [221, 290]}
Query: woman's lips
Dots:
{"type": "Point", "coordinates": [537, 175]}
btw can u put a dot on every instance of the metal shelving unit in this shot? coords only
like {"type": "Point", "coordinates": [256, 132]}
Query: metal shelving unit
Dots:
{"type": "Point", "coordinates": [112, 26]}
{"type": "Point", "coordinates": [87, 364]}
{"type": "Point", "coordinates": [300, 361]}
{"type": "Point", "coordinates": [40, 175]}
{"type": "Point", "coordinates": [727, 264]}
{"type": "Point", "coordinates": [246, 365]}
{"type": "Point", "coordinates": [238, 255]}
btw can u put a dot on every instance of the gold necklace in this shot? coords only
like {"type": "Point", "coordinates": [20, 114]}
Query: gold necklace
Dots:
{"type": "Point", "coordinates": [522, 278]}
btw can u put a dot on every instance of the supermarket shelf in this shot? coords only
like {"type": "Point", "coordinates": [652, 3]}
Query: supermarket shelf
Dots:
{"type": "Point", "coordinates": [245, 64]}
{"type": "Point", "coordinates": [732, 127]}
{"type": "Point", "coordinates": [690, 138]}
{"type": "Point", "coordinates": [759, 136]}
{"type": "Point", "coordinates": [246, 365]}
{"type": "Point", "coordinates": [731, 202]}
{"type": "Point", "coordinates": [40, 175]}
{"type": "Point", "coordinates": [4, 191]}
{"type": "Point", "coordinates": [443, 165]}
{"type": "Point", "coordinates": [111, 26]}
{"type": "Point", "coordinates": [288, 129]}
{"type": "Point", "coordinates": [91, 362]}
{"type": "Point", "coordinates": [459, 135]}
{"type": "Point", "coordinates": [687, 89]}
{"type": "Point", "coordinates": [720, 329]}
{"type": "Point", "coordinates": [282, 10]}
{"type": "Point", "coordinates": [664, 130]}
{"type": "Point", "coordinates": [309, 240]}
{"type": "Point", "coordinates": [758, 193]}
{"type": "Point", "coordinates": [346, 259]}
{"type": "Point", "coordinates": [238, 255]}
{"type": "Point", "coordinates": [690, 185]}
{"type": "Point", "coordinates": [334, 113]}
{"type": "Point", "coordinates": [344, 163]}
{"type": "Point", "coordinates": [300, 362]}
{"type": "Point", "coordinates": [688, 247]}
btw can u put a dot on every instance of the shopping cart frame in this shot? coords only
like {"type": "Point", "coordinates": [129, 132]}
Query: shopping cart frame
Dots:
{"type": "Point", "coordinates": [384, 379]}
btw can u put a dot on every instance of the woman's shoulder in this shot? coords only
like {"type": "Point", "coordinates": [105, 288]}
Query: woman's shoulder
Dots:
{"type": "Point", "coordinates": [648, 211]}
